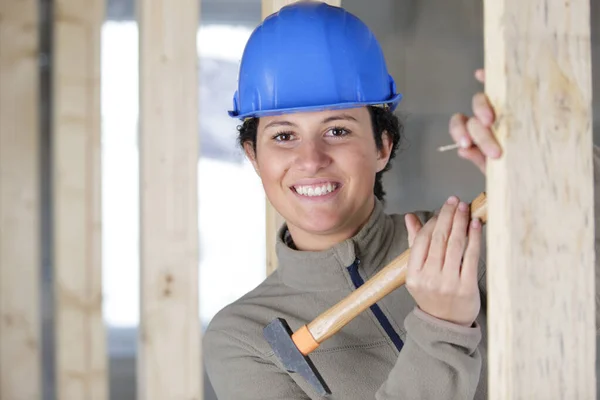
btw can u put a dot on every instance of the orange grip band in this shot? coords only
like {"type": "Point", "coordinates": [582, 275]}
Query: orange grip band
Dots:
{"type": "Point", "coordinates": [304, 340]}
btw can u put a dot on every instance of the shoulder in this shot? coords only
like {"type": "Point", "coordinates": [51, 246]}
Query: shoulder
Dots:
{"type": "Point", "coordinates": [239, 325]}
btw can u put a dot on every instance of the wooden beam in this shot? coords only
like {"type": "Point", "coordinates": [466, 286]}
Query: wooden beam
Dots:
{"type": "Point", "coordinates": [274, 220]}
{"type": "Point", "coordinates": [81, 359]}
{"type": "Point", "coordinates": [169, 361]}
{"type": "Point", "coordinates": [20, 254]}
{"type": "Point", "coordinates": [541, 218]}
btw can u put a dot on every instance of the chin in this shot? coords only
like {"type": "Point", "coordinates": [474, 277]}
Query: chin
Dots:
{"type": "Point", "coordinates": [319, 227]}
{"type": "Point", "coordinates": [320, 223]}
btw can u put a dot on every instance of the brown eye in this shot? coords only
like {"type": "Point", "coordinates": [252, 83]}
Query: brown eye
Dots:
{"type": "Point", "coordinates": [283, 137]}
{"type": "Point", "coordinates": [338, 132]}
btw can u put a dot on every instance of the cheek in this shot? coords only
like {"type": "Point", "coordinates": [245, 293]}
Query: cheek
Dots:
{"type": "Point", "coordinates": [359, 163]}
{"type": "Point", "coordinates": [271, 166]}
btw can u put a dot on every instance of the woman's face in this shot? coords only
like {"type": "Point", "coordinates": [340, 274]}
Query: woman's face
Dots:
{"type": "Point", "coordinates": [318, 171]}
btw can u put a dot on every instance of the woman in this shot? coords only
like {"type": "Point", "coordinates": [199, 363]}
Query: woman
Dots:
{"type": "Point", "coordinates": [317, 106]}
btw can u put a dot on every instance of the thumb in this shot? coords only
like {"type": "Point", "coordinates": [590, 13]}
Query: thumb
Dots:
{"type": "Point", "coordinates": [413, 225]}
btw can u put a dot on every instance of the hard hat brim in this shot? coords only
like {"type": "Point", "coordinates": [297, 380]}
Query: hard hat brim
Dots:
{"type": "Point", "coordinates": [392, 103]}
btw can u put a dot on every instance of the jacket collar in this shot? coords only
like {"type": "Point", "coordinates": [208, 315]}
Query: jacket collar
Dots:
{"type": "Point", "coordinates": [327, 269]}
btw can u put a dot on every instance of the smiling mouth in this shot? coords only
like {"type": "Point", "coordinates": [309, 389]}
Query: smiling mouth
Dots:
{"type": "Point", "coordinates": [316, 190]}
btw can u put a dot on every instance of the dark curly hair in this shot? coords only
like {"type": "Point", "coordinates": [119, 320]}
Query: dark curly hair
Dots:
{"type": "Point", "coordinates": [382, 120]}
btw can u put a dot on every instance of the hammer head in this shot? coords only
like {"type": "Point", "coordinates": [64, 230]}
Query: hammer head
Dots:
{"type": "Point", "coordinates": [279, 336]}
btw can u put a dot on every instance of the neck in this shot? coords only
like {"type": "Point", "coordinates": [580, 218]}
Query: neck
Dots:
{"type": "Point", "coordinates": [318, 241]}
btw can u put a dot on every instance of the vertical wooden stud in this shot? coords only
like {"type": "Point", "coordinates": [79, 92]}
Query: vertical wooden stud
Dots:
{"type": "Point", "coordinates": [81, 359]}
{"type": "Point", "coordinates": [169, 361]}
{"type": "Point", "coordinates": [541, 202]}
{"type": "Point", "coordinates": [274, 220]}
{"type": "Point", "coordinates": [20, 320]}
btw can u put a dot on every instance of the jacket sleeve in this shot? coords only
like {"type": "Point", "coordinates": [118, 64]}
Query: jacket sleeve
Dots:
{"type": "Point", "coordinates": [237, 372]}
{"type": "Point", "coordinates": [439, 360]}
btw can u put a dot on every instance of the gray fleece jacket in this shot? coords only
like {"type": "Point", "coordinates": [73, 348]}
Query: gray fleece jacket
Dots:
{"type": "Point", "coordinates": [392, 351]}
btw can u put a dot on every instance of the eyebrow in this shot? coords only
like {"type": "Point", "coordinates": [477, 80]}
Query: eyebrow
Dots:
{"type": "Point", "coordinates": [279, 123]}
{"type": "Point", "coordinates": [337, 117]}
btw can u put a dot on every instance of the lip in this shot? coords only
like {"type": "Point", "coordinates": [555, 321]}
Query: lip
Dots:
{"type": "Point", "coordinates": [311, 182]}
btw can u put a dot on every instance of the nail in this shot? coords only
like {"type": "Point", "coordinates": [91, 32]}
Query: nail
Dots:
{"type": "Point", "coordinates": [463, 206]}
{"type": "Point", "coordinates": [465, 143]}
{"type": "Point", "coordinates": [452, 200]}
{"type": "Point", "coordinates": [475, 223]}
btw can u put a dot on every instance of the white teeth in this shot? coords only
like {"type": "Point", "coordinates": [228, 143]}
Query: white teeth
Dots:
{"type": "Point", "coordinates": [312, 191]}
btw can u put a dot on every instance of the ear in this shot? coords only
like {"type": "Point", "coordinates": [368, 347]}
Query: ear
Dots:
{"type": "Point", "coordinates": [251, 154]}
{"type": "Point", "coordinates": [383, 154]}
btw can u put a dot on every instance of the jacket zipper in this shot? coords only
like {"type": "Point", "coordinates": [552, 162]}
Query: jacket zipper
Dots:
{"type": "Point", "coordinates": [358, 281]}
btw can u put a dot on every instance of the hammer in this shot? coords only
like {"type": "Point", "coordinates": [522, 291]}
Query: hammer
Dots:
{"type": "Point", "coordinates": [292, 349]}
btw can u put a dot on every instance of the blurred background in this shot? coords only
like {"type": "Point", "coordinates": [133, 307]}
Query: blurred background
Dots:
{"type": "Point", "coordinates": [432, 47]}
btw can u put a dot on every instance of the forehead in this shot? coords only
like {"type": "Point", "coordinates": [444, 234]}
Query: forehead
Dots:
{"type": "Point", "coordinates": [356, 115]}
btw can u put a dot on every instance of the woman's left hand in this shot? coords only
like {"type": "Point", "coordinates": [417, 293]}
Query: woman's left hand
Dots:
{"type": "Point", "coordinates": [474, 134]}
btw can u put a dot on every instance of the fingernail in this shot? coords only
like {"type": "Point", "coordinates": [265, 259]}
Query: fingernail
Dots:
{"type": "Point", "coordinates": [463, 206]}
{"type": "Point", "coordinates": [464, 143]}
{"type": "Point", "coordinates": [475, 223]}
{"type": "Point", "coordinates": [452, 200]}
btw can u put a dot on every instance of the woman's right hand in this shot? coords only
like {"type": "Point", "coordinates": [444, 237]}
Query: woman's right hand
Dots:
{"type": "Point", "coordinates": [442, 267]}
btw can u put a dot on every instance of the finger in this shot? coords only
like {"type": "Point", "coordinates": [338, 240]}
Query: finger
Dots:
{"type": "Point", "coordinates": [471, 258]}
{"type": "Point", "coordinates": [413, 226]}
{"type": "Point", "coordinates": [420, 247]}
{"type": "Point", "coordinates": [456, 242]}
{"type": "Point", "coordinates": [458, 130]}
{"type": "Point", "coordinates": [474, 155]}
{"type": "Point", "coordinates": [483, 109]}
{"type": "Point", "coordinates": [480, 75]}
{"type": "Point", "coordinates": [441, 233]}
{"type": "Point", "coordinates": [483, 138]}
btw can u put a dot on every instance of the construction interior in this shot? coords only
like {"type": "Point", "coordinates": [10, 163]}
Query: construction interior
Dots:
{"type": "Point", "coordinates": [87, 164]}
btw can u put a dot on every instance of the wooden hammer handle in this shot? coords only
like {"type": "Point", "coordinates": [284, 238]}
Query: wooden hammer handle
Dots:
{"type": "Point", "coordinates": [384, 282]}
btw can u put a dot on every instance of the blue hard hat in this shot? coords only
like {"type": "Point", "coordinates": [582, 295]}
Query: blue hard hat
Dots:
{"type": "Point", "coordinates": [311, 56]}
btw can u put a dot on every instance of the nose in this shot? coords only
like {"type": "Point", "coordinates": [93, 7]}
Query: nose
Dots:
{"type": "Point", "coordinates": [312, 156]}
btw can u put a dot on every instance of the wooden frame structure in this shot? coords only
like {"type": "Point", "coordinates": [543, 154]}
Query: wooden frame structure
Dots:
{"type": "Point", "coordinates": [169, 361]}
{"type": "Point", "coordinates": [541, 203]}
{"type": "Point", "coordinates": [541, 257]}
{"type": "Point", "coordinates": [80, 338]}
{"type": "Point", "coordinates": [20, 247]}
